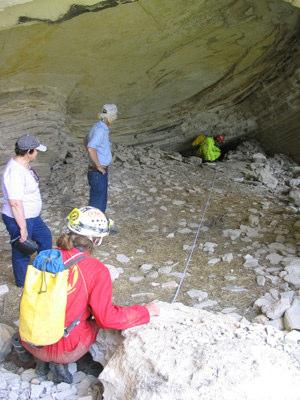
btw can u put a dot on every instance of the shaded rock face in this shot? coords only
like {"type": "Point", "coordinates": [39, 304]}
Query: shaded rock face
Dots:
{"type": "Point", "coordinates": [42, 112]}
{"type": "Point", "coordinates": [174, 68]}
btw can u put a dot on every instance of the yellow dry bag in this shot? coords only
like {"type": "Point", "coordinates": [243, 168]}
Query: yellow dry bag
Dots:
{"type": "Point", "coordinates": [44, 299]}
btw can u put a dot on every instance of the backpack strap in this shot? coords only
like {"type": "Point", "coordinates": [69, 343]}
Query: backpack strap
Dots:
{"type": "Point", "coordinates": [75, 258]}
{"type": "Point", "coordinates": [68, 264]}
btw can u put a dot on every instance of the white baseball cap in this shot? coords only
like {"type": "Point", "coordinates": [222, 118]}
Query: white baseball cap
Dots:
{"type": "Point", "coordinates": [109, 112]}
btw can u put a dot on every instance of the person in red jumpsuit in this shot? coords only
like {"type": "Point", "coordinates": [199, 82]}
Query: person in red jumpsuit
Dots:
{"type": "Point", "coordinates": [89, 295]}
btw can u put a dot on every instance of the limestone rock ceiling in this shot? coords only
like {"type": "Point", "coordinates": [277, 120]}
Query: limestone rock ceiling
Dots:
{"type": "Point", "coordinates": [295, 3]}
{"type": "Point", "coordinates": [169, 65]}
{"type": "Point", "coordinates": [56, 9]}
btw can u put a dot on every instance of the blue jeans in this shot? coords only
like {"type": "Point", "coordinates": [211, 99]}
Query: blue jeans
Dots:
{"type": "Point", "coordinates": [98, 189]}
{"type": "Point", "coordinates": [37, 231]}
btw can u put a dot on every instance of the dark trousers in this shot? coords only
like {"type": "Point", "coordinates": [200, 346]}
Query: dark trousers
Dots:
{"type": "Point", "coordinates": [98, 189]}
{"type": "Point", "coordinates": [37, 231]}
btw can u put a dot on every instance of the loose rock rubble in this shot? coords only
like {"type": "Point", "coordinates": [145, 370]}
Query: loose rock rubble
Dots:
{"type": "Point", "coordinates": [245, 262]}
{"type": "Point", "coordinates": [25, 385]}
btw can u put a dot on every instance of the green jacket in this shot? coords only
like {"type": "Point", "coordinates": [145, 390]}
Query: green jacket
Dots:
{"type": "Point", "coordinates": [208, 149]}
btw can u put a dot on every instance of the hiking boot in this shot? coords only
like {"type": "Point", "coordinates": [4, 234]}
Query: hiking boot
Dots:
{"type": "Point", "coordinates": [21, 352]}
{"type": "Point", "coordinates": [60, 373]}
{"type": "Point", "coordinates": [41, 368]}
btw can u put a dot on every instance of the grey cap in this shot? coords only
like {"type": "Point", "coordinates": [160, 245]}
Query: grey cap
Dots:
{"type": "Point", "coordinates": [28, 142]}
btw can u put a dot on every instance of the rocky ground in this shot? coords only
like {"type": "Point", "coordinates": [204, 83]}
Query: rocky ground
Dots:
{"type": "Point", "coordinates": [233, 226]}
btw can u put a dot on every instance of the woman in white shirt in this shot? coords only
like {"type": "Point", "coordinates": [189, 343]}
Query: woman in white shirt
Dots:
{"type": "Point", "coordinates": [22, 203]}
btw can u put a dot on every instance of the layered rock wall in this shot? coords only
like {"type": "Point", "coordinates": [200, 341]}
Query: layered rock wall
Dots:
{"type": "Point", "coordinates": [42, 112]}
{"type": "Point", "coordinates": [174, 68]}
{"type": "Point", "coordinates": [276, 106]}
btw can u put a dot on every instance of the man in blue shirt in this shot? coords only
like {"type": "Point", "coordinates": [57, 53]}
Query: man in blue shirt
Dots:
{"type": "Point", "coordinates": [98, 147]}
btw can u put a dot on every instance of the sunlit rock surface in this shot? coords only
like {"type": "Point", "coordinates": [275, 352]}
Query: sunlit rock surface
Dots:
{"type": "Point", "coordinates": [174, 68]}
{"type": "Point", "coordinates": [193, 354]}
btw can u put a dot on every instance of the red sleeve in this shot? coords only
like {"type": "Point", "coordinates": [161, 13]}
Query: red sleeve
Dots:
{"type": "Point", "coordinates": [108, 315]}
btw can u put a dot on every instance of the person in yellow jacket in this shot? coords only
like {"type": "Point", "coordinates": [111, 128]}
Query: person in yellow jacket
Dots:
{"type": "Point", "coordinates": [208, 148]}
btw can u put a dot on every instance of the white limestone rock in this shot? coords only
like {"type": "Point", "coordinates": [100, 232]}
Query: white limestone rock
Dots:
{"type": "Point", "coordinates": [178, 202]}
{"type": "Point", "coordinates": [234, 289]}
{"type": "Point", "coordinates": [266, 299]}
{"type": "Point", "coordinates": [261, 280]}
{"type": "Point", "coordinates": [196, 293]}
{"type": "Point", "coordinates": [276, 323]}
{"type": "Point", "coordinates": [85, 386]}
{"type": "Point", "coordinates": [214, 261]}
{"type": "Point", "coordinates": [78, 377]}
{"type": "Point", "coordinates": [274, 258]}
{"type": "Point", "coordinates": [3, 289]}
{"type": "Point", "coordinates": [136, 279]}
{"type": "Point", "coordinates": [206, 304]}
{"type": "Point", "coordinates": [228, 257]}
{"type": "Point", "coordinates": [230, 278]}
{"type": "Point", "coordinates": [259, 158]}
{"type": "Point", "coordinates": [228, 310]}
{"type": "Point", "coordinates": [253, 220]}
{"type": "Point", "coordinates": [276, 309]}
{"type": "Point", "coordinates": [146, 267]}
{"type": "Point", "coordinates": [291, 261]}
{"type": "Point", "coordinates": [279, 247]}
{"type": "Point", "coordinates": [187, 353]}
{"type": "Point", "coordinates": [209, 247]}
{"type": "Point", "coordinates": [6, 333]}
{"type": "Point", "coordinates": [152, 275]}
{"type": "Point", "coordinates": [169, 285]}
{"type": "Point", "coordinates": [292, 316]}
{"type": "Point", "coordinates": [165, 270]}
{"type": "Point", "coordinates": [123, 259]}
{"type": "Point", "coordinates": [114, 272]}
{"type": "Point", "coordinates": [250, 261]}
{"type": "Point", "coordinates": [265, 175]}
{"type": "Point", "coordinates": [233, 234]}
{"type": "Point", "coordinates": [193, 160]}
{"type": "Point", "coordinates": [235, 316]}
{"type": "Point", "coordinates": [293, 337]}
{"type": "Point", "coordinates": [294, 195]}
{"type": "Point", "coordinates": [260, 319]}
{"type": "Point", "coordinates": [36, 391]}
{"type": "Point", "coordinates": [107, 342]}
{"type": "Point", "coordinates": [28, 375]}
{"type": "Point", "coordinates": [293, 272]}
{"type": "Point", "coordinates": [184, 230]}
{"type": "Point", "coordinates": [249, 231]}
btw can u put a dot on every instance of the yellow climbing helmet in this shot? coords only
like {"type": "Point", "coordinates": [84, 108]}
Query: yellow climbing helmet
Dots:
{"type": "Point", "coordinates": [199, 140]}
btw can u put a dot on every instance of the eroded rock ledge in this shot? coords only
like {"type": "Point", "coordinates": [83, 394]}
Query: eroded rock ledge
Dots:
{"type": "Point", "coordinates": [77, 9]}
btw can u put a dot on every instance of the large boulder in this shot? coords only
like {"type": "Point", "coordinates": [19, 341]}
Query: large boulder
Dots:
{"type": "Point", "coordinates": [187, 353]}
